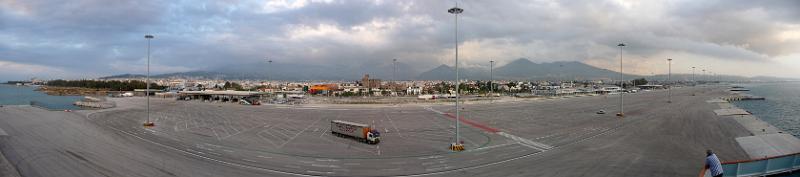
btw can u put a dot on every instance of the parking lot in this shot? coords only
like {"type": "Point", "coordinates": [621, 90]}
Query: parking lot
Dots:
{"type": "Point", "coordinates": [538, 137]}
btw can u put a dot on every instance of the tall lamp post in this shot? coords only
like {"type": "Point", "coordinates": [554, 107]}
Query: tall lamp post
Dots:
{"type": "Point", "coordinates": [269, 70]}
{"type": "Point", "coordinates": [457, 146]}
{"type": "Point", "coordinates": [669, 78]}
{"type": "Point", "coordinates": [148, 123]}
{"type": "Point", "coordinates": [622, 84]}
{"type": "Point", "coordinates": [693, 81]}
{"type": "Point", "coordinates": [704, 75]}
{"type": "Point", "coordinates": [269, 73]}
{"type": "Point", "coordinates": [714, 77]}
{"type": "Point", "coordinates": [394, 76]}
{"type": "Point", "coordinates": [491, 79]}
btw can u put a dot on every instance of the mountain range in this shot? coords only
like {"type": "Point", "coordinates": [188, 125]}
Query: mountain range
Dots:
{"type": "Point", "coordinates": [524, 69]}
{"type": "Point", "coordinates": [520, 69]}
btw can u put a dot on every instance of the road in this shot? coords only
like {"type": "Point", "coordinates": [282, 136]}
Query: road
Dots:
{"type": "Point", "coordinates": [555, 137]}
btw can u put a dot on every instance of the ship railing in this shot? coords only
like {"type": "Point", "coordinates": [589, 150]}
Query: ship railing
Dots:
{"type": "Point", "coordinates": [758, 167]}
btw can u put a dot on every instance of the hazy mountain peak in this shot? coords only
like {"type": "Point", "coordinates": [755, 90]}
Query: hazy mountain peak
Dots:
{"type": "Point", "coordinates": [523, 61]}
{"type": "Point", "coordinates": [443, 66]}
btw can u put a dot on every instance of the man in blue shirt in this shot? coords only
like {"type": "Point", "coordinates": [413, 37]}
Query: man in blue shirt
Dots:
{"type": "Point", "coordinates": [713, 164]}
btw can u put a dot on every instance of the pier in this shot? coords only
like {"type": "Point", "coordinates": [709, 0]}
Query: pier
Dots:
{"type": "Point", "coordinates": [770, 150]}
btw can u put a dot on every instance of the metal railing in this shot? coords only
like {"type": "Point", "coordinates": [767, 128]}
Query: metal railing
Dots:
{"type": "Point", "coordinates": [759, 167]}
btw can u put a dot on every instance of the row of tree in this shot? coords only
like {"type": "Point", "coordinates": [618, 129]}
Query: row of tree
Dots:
{"type": "Point", "coordinates": [113, 85]}
{"type": "Point", "coordinates": [232, 86]}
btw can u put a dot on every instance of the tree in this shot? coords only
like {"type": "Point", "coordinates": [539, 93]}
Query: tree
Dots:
{"type": "Point", "coordinates": [232, 86]}
{"type": "Point", "coordinates": [640, 81]}
{"type": "Point", "coordinates": [512, 84]}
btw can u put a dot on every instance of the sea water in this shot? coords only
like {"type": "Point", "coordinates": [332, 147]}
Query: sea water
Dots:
{"type": "Point", "coordinates": [24, 95]}
{"type": "Point", "coordinates": [781, 107]}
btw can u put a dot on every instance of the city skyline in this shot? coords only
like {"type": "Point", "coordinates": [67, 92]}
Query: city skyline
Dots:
{"type": "Point", "coordinates": [87, 39]}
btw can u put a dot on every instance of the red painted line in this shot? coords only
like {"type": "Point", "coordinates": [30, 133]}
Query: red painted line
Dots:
{"type": "Point", "coordinates": [474, 124]}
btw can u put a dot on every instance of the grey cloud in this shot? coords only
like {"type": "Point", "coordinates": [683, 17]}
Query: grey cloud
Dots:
{"type": "Point", "coordinates": [90, 35]}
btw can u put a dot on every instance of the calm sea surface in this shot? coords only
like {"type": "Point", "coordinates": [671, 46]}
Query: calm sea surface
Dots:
{"type": "Point", "coordinates": [782, 107]}
{"type": "Point", "coordinates": [23, 95]}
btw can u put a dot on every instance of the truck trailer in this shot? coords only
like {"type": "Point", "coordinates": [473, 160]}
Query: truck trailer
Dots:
{"type": "Point", "coordinates": [362, 132]}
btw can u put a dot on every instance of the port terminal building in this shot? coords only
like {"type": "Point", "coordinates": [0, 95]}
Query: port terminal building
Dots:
{"type": "Point", "coordinates": [248, 97]}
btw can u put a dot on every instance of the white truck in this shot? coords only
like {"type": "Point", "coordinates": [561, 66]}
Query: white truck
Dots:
{"type": "Point", "coordinates": [359, 131]}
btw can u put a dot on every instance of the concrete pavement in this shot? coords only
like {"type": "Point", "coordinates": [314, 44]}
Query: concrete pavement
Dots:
{"type": "Point", "coordinates": [561, 137]}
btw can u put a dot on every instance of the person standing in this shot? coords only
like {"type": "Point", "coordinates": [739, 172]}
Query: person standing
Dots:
{"type": "Point", "coordinates": [713, 164]}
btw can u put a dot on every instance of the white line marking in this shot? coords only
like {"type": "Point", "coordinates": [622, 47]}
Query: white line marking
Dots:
{"type": "Point", "coordinates": [430, 157]}
{"type": "Point", "coordinates": [490, 147]}
{"type": "Point", "coordinates": [298, 134]}
{"type": "Point", "coordinates": [321, 172]}
{"type": "Point", "coordinates": [526, 142]}
{"type": "Point", "coordinates": [265, 138]}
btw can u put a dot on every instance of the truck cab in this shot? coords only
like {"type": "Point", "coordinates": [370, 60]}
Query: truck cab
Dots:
{"type": "Point", "coordinates": [373, 137]}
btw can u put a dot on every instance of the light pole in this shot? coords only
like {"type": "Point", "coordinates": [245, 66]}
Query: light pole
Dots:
{"type": "Point", "coordinates": [693, 81]}
{"type": "Point", "coordinates": [457, 146]}
{"type": "Point", "coordinates": [669, 78]}
{"type": "Point", "coordinates": [622, 84]}
{"type": "Point", "coordinates": [714, 77]}
{"type": "Point", "coordinates": [147, 82]}
{"type": "Point", "coordinates": [269, 69]}
{"type": "Point", "coordinates": [491, 79]}
{"type": "Point", "coordinates": [269, 73]}
{"type": "Point", "coordinates": [394, 76]}
{"type": "Point", "coordinates": [704, 75]}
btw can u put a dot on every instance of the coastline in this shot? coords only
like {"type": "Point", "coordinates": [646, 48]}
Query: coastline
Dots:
{"type": "Point", "coordinates": [752, 123]}
{"type": "Point", "coordinates": [767, 147]}
{"type": "Point", "coordinates": [28, 95]}
{"type": "Point", "coordinates": [765, 139]}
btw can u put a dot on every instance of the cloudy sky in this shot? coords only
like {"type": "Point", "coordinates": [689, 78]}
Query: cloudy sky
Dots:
{"type": "Point", "coordinates": [91, 38]}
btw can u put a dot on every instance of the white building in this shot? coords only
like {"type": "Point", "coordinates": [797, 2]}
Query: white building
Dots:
{"type": "Point", "coordinates": [414, 90]}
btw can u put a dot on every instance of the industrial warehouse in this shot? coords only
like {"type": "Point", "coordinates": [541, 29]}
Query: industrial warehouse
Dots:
{"type": "Point", "coordinates": [243, 97]}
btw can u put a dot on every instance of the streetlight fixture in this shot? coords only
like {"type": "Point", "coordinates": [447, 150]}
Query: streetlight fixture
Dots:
{"type": "Point", "coordinates": [704, 75]}
{"type": "Point", "coordinates": [394, 76]}
{"type": "Point", "coordinates": [669, 78]}
{"type": "Point", "coordinates": [622, 84]}
{"type": "Point", "coordinates": [148, 123]}
{"type": "Point", "coordinates": [693, 81]}
{"type": "Point", "coordinates": [713, 77]}
{"type": "Point", "coordinates": [269, 73]}
{"type": "Point", "coordinates": [457, 146]}
{"type": "Point", "coordinates": [491, 79]}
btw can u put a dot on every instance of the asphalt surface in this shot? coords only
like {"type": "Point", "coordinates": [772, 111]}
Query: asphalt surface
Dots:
{"type": "Point", "coordinates": [554, 137]}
